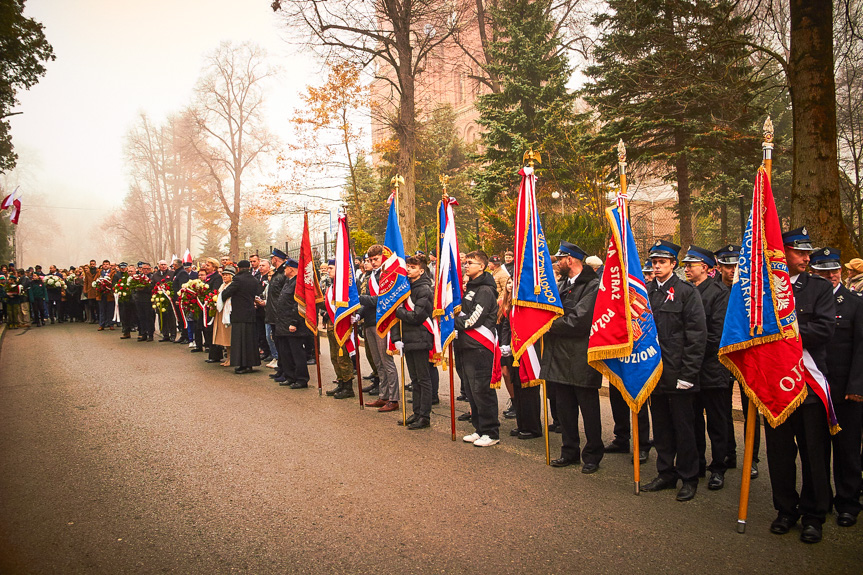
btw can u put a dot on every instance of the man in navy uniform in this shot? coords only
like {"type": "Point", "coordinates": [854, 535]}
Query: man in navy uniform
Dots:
{"type": "Point", "coordinates": [726, 265]}
{"type": "Point", "coordinates": [845, 374]}
{"type": "Point", "coordinates": [715, 379]}
{"type": "Point", "coordinates": [806, 429]}
{"type": "Point", "coordinates": [682, 334]}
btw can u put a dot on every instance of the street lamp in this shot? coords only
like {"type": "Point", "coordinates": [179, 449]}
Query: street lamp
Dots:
{"type": "Point", "coordinates": [248, 245]}
{"type": "Point", "coordinates": [555, 194]}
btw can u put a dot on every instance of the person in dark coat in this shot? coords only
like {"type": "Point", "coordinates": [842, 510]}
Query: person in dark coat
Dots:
{"type": "Point", "coordinates": [181, 276]}
{"type": "Point", "coordinates": [845, 374]}
{"type": "Point", "coordinates": [289, 333]}
{"type": "Point", "coordinates": [55, 298]}
{"type": "Point", "coordinates": [274, 289]}
{"type": "Point", "coordinates": [244, 341]}
{"type": "Point", "coordinates": [37, 294]}
{"type": "Point", "coordinates": [474, 349]}
{"type": "Point", "coordinates": [415, 340]}
{"type": "Point", "coordinates": [128, 315]}
{"type": "Point", "coordinates": [212, 278]}
{"type": "Point", "coordinates": [715, 378]}
{"type": "Point", "coordinates": [143, 306]}
{"type": "Point", "coordinates": [805, 430]}
{"type": "Point", "coordinates": [564, 361]}
{"type": "Point", "coordinates": [682, 333]}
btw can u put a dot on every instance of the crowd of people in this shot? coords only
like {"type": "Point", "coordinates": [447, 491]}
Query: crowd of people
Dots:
{"type": "Point", "coordinates": [244, 314]}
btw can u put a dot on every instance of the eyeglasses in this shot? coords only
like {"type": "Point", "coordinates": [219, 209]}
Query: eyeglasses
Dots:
{"type": "Point", "coordinates": [470, 263]}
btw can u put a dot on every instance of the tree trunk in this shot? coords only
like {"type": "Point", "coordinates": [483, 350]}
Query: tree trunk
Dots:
{"type": "Point", "coordinates": [684, 194]}
{"type": "Point", "coordinates": [407, 135]}
{"type": "Point", "coordinates": [815, 199]}
{"type": "Point", "coordinates": [723, 222]}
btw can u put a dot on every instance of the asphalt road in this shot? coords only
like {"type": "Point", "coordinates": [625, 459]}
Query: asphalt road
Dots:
{"type": "Point", "coordinates": [126, 457]}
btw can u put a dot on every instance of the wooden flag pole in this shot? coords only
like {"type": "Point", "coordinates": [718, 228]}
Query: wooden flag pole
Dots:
{"type": "Point", "coordinates": [636, 462]}
{"type": "Point", "coordinates": [545, 420]}
{"type": "Point", "coordinates": [356, 337]}
{"type": "Point", "coordinates": [395, 181]}
{"type": "Point", "coordinates": [451, 392]}
{"type": "Point", "coordinates": [751, 421]}
{"type": "Point", "coordinates": [318, 359]}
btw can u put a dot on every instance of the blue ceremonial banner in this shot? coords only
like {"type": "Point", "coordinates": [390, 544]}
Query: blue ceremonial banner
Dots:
{"type": "Point", "coordinates": [393, 285]}
{"type": "Point", "coordinates": [447, 302]}
{"type": "Point", "coordinates": [623, 339]}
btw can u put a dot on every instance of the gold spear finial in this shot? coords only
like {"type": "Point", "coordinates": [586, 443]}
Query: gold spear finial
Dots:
{"type": "Point", "coordinates": [396, 181]}
{"type": "Point", "coordinates": [530, 157]}
{"type": "Point", "coordinates": [768, 130]}
{"type": "Point", "coordinates": [443, 180]}
{"type": "Point", "coordinates": [621, 152]}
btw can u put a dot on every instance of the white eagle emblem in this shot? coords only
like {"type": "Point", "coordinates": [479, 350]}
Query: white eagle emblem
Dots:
{"type": "Point", "coordinates": [309, 274]}
{"type": "Point", "coordinates": [782, 291]}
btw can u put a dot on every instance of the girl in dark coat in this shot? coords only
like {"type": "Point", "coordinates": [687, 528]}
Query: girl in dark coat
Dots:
{"type": "Point", "coordinates": [415, 340]}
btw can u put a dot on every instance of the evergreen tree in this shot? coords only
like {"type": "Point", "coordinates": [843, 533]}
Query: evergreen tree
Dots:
{"type": "Point", "coordinates": [533, 108]}
{"type": "Point", "coordinates": [673, 81]}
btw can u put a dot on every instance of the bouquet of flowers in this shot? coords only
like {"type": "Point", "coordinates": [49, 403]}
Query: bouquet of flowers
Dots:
{"type": "Point", "coordinates": [13, 288]}
{"type": "Point", "coordinates": [55, 282]}
{"type": "Point", "coordinates": [210, 302]}
{"type": "Point", "coordinates": [122, 290]}
{"type": "Point", "coordinates": [161, 297]}
{"type": "Point", "coordinates": [139, 281]}
{"type": "Point", "coordinates": [192, 294]}
{"type": "Point", "coordinates": [103, 285]}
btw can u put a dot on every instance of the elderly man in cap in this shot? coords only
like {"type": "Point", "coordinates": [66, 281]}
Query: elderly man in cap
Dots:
{"type": "Point", "coordinates": [726, 265]}
{"type": "Point", "coordinates": [845, 374]}
{"type": "Point", "coordinates": [498, 273]}
{"type": "Point", "coordinates": [290, 326]}
{"type": "Point", "coordinates": [167, 322]}
{"type": "Point", "coordinates": [564, 361]}
{"type": "Point", "coordinates": [806, 430]}
{"type": "Point", "coordinates": [715, 379]}
{"type": "Point", "coordinates": [682, 332]}
{"type": "Point", "coordinates": [855, 277]}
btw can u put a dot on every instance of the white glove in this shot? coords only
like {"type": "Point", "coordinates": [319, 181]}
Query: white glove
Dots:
{"type": "Point", "coordinates": [356, 318]}
{"type": "Point", "coordinates": [683, 384]}
{"type": "Point", "coordinates": [400, 346]}
{"type": "Point", "coordinates": [505, 350]}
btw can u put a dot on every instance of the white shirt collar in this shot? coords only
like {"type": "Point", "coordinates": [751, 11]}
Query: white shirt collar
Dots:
{"type": "Point", "coordinates": [836, 289]}
{"type": "Point", "coordinates": [573, 278]}
{"type": "Point", "coordinates": [794, 278]}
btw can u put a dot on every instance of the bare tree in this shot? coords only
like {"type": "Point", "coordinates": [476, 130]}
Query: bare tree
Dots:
{"type": "Point", "coordinates": [396, 37]}
{"type": "Point", "coordinates": [229, 133]}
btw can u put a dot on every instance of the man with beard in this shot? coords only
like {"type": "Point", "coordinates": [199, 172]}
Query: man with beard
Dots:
{"type": "Point", "coordinates": [564, 361]}
{"type": "Point", "coordinates": [167, 322]}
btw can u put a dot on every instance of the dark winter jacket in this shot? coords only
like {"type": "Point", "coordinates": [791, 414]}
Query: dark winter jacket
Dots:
{"type": "Point", "coordinates": [714, 298]}
{"type": "Point", "coordinates": [816, 318]}
{"type": "Point", "coordinates": [369, 303]}
{"type": "Point", "coordinates": [37, 291]}
{"type": "Point", "coordinates": [242, 291]}
{"type": "Point", "coordinates": [564, 350]}
{"type": "Point", "coordinates": [845, 360]}
{"type": "Point", "coordinates": [413, 333]}
{"type": "Point", "coordinates": [181, 276]}
{"type": "Point", "coordinates": [277, 281]}
{"type": "Point", "coordinates": [682, 332]}
{"type": "Point", "coordinates": [287, 311]}
{"type": "Point", "coordinates": [478, 308]}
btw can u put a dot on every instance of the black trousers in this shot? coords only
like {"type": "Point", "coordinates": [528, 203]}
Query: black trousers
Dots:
{"type": "Point", "coordinates": [732, 441]}
{"type": "Point", "coordinates": [674, 437]}
{"type": "Point", "coordinates": [127, 316]}
{"type": "Point", "coordinates": [846, 460]}
{"type": "Point", "coordinates": [419, 369]}
{"type": "Point", "coordinates": [622, 416]}
{"type": "Point", "coordinates": [474, 367]}
{"type": "Point", "coordinates": [435, 379]}
{"type": "Point", "coordinates": [804, 430]}
{"type": "Point", "coordinates": [167, 324]}
{"type": "Point", "coordinates": [146, 318]}
{"type": "Point", "coordinates": [106, 313]}
{"type": "Point", "coordinates": [92, 309]}
{"type": "Point", "coordinates": [713, 403]}
{"type": "Point", "coordinates": [570, 400]}
{"type": "Point", "coordinates": [54, 308]}
{"type": "Point", "coordinates": [527, 402]}
{"type": "Point", "coordinates": [37, 307]}
{"type": "Point", "coordinates": [292, 358]}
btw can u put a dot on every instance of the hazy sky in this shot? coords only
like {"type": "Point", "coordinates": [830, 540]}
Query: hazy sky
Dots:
{"type": "Point", "coordinates": [114, 61]}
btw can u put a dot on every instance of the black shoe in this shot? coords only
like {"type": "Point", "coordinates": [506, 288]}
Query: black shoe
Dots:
{"type": "Point", "coordinates": [615, 447]}
{"type": "Point", "coordinates": [811, 534]}
{"type": "Point", "coordinates": [346, 392]}
{"type": "Point", "coordinates": [150, 338]}
{"type": "Point", "coordinates": [753, 473]}
{"type": "Point", "coordinates": [509, 414]}
{"type": "Point", "coordinates": [369, 377]}
{"type": "Point", "coordinates": [299, 385]}
{"type": "Point", "coordinates": [687, 491]}
{"type": "Point", "coordinates": [213, 361]}
{"type": "Point", "coordinates": [564, 462]}
{"type": "Point", "coordinates": [182, 340]}
{"type": "Point", "coordinates": [375, 390]}
{"type": "Point", "coordinates": [276, 375]}
{"type": "Point", "coordinates": [409, 387]}
{"type": "Point", "coordinates": [413, 417]}
{"type": "Point", "coordinates": [659, 484]}
{"type": "Point", "coordinates": [194, 350]}
{"type": "Point", "coordinates": [514, 432]}
{"type": "Point", "coordinates": [310, 361]}
{"type": "Point", "coordinates": [267, 359]}
{"type": "Point", "coordinates": [420, 423]}
{"type": "Point", "coordinates": [461, 398]}
{"type": "Point", "coordinates": [164, 339]}
{"type": "Point", "coordinates": [846, 519]}
{"type": "Point", "coordinates": [716, 481]}
{"type": "Point", "coordinates": [555, 428]}
{"type": "Point", "coordinates": [589, 468]}
{"type": "Point", "coordinates": [782, 524]}
{"type": "Point", "coordinates": [286, 383]}
{"type": "Point", "coordinates": [528, 435]}
{"type": "Point", "coordinates": [435, 400]}
{"type": "Point", "coordinates": [142, 338]}
{"type": "Point", "coordinates": [463, 417]}
{"type": "Point", "coordinates": [242, 370]}
{"type": "Point", "coordinates": [335, 390]}
{"type": "Point", "coordinates": [643, 455]}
